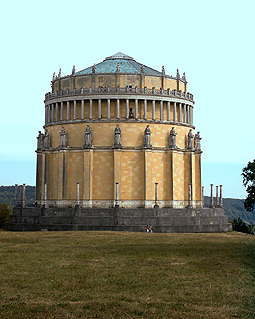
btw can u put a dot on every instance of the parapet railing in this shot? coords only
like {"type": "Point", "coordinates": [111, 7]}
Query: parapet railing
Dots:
{"type": "Point", "coordinates": [119, 90]}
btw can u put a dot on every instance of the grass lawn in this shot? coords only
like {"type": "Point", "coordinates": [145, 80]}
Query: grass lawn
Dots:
{"type": "Point", "coordinates": [126, 275]}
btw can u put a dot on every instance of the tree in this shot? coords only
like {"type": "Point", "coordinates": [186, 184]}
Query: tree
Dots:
{"type": "Point", "coordinates": [4, 214]}
{"type": "Point", "coordinates": [249, 182]}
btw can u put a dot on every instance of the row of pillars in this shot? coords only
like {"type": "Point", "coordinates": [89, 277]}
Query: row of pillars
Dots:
{"type": "Point", "coordinates": [22, 202]}
{"type": "Point", "coordinates": [218, 203]}
{"type": "Point", "coordinates": [52, 111]}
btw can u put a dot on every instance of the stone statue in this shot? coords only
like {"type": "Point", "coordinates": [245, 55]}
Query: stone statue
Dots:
{"type": "Point", "coordinates": [198, 138]}
{"type": "Point", "coordinates": [40, 139]}
{"type": "Point", "coordinates": [142, 69]}
{"type": "Point", "coordinates": [46, 143]}
{"type": "Point", "coordinates": [131, 114]}
{"type": "Point", "coordinates": [73, 70]}
{"type": "Point", "coordinates": [94, 69]}
{"type": "Point", "coordinates": [184, 76]}
{"type": "Point", "coordinates": [117, 136]}
{"type": "Point", "coordinates": [172, 139]}
{"type": "Point", "coordinates": [53, 77]}
{"type": "Point", "coordinates": [163, 70]}
{"type": "Point", "coordinates": [63, 138]}
{"type": "Point", "coordinates": [190, 140]}
{"type": "Point", "coordinates": [177, 74]}
{"type": "Point", "coordinates": [59, 73]}
{"type": "Point", "coordinates": [118, 68]}
{"type": "Point", "coordinates": [88, 137]}
{"type": "Point", "coordinates": [147, 137]}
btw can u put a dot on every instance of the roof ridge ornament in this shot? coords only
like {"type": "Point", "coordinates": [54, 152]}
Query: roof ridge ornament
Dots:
{"type": "Point", "coordinates": [119, 55]}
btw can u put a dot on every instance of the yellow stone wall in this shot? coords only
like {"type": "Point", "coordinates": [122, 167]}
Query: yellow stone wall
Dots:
{"type": "Point", "coordinates": [132, 134]}
{"type": "Point", "coordinates": [112, 80]}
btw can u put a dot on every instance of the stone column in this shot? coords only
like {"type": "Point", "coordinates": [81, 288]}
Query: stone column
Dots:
{"type": "Point", "coordinates": [74, 109]}
{"type": "Point", "coordinates": [221, 202]}
{"type": "Point", "coordinates": [68, 110]}
{"type": "Point", "coordinates": [191, 115]}
{"type": "Point", "coordinates": [145, 109]}
{"type": "Point", "coordinates": [52, 112]}
{"type": "Point", "coordinates": [24, 196]}
{"type": "Point", "coordinates": [90, 108]}
{"type": "Point", "coordinates": [48, 112]}
{"type": "Point", "coordinates": [156, 195]}
{"type": "Point", "coordinates": [108, 109]}
{"type": "Point", "coordinates": [180, 112]}
{"type": "Point", "coordinates": [190, 196]}
{"type": "Point", "coordinates": [184, 113]}
{"type": "Point", "coordinates": [56, 112]}
{"type": "Point", "coordinates": [136, 109]}
{"type": "Point", "coordinates": [16, 195]}
{"type": "Point", "coordinates": [99, 110]}
{"type": "Point", "coordinates": [211, 202]}
{"type": "Point", "coordinates": [21, 195]}
{"type": "Point", "coordinates": [168, 111]}
{"type": "Point", "coordinates": [117, 195]}
{"type": "Point", "coordinates": [82, 109]}
{"type": "Point", "coordinates": [127, 108]}
{"type": "Point", "coordinates": [118, 109]}
{"type": "Point", "coordinates": [174, 111]}
{"type": "Point", "coordinates": [202, 196]}
{"type": "Point", "coordinates": [77, 194]}
{"type": "Point", "coordinates": [188, 114]}
{"type": "Point", "coordinates": [45, 195]}
{"type": "Point", "coordinates": [46, 115]}
{"type": "Point", "coordinates": [161, 110]}
{"type": "Point", "coordinates": [61, 111]}
{"type": "Point", "coordinates": [153, 110]}
{"type": "Point", "coordinates": [217, 197]}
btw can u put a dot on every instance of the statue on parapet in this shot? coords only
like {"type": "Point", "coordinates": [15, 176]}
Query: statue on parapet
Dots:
{"type": "Point", "coordinates": [117, 136]}
{"type": "Point", "coordinates": [147, 137]}
{"type": "Point", "coordinates": [46, 141]}
{"type": "Point", "coordinates": [53, 77]}
{"type": "Point", "coordinates": [184, 76]}
{"type": "Point", "coordinates": [73, 70]}
{"type": "Point", "coordinates": [172, 139]}
{"type": "Point", "coordinates": [177, 74]}
{"type": "Point", "coordinates": [190, 140]}
{"type": "Point", "coordinates": [163, 70]}
{"type": "Point", "coordinates": [198, 139]}
{"type": "Point", "coordinates": [40, 139]}
{"type": "Point", "coordinates": [63, 138]}
{"type": "Point", "coordinates": [142, 68]}
{"type": "Point", "coordinates": [118, 68]}
{"type": "Point", "coordinates": [94, 68]}
{"type": "Point", "coordinates": [88, 137]}
{"type": "Point", "coordinates": [59, 73]}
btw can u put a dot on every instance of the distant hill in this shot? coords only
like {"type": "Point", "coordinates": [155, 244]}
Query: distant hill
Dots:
{"type": "Point", "coordinates": [7, 195]}
{"type": "Point", "coordinates": [233, 207]}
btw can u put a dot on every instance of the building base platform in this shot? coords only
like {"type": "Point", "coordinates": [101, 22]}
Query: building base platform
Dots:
{"type": "Point", "coordinates": [163, 220]}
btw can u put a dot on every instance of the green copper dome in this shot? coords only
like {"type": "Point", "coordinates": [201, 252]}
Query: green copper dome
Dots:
{"type": "Point", "coordinates": [120, 63]}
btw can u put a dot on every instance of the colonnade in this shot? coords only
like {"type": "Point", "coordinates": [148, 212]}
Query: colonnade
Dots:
{"type": "Point", "coordinates": [181, 112]}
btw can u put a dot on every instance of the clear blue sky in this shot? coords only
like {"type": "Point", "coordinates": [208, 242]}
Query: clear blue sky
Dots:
{"type": "Point", "coordinates": [212, 41]}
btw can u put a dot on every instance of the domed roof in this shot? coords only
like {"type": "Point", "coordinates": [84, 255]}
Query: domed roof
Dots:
{"type": "Point", "coordinates": [119, 62]}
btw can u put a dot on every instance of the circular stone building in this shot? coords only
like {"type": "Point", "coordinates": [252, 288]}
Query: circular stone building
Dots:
{"type": "Point", "coordinates": [119, 133]}
{"type": "Point", "coordinates": [119, 152]}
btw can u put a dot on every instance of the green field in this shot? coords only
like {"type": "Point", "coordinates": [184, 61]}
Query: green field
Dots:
{"type": "Point", "coordinates": [126, 275]}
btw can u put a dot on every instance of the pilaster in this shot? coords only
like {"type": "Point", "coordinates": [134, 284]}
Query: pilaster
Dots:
{"type": "Point", "coordinates": [148, 189]}
{"type": "Point", "coordinates": [117, 172]}
{"type": "Point", "coordinates": [87, 176]}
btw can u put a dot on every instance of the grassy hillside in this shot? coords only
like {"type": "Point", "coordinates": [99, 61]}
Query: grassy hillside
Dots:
{"type": "Point", "coordinates": [126, 275]}
{"type": "Point", "coordinates": [234, 207]}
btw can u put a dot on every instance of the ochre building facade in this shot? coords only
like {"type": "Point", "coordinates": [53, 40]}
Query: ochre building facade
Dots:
{"type": "Point", "coordinates": [119, 133]}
